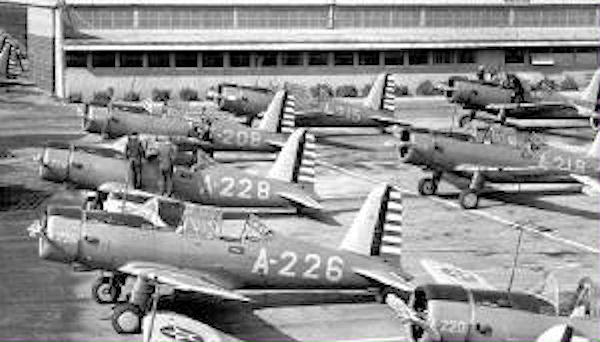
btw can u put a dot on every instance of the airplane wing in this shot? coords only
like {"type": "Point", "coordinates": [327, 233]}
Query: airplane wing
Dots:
{"type": "Point", "coordinates": [165, 326]}
{"type": "Point", "coordinates": [389, 121]}
{"type": "Point", "coordinates": [184, 279]}
{"type": "Point", "coordinates": [480, 168]}
{"type": "Point", "coordinates": [304, 201]}
{"type": "Point", "coordinates": [526, 105]}
{"type": "Point", "coordinates": [386, 278]}
{"type": "Point", "coordinates": [445, 273]}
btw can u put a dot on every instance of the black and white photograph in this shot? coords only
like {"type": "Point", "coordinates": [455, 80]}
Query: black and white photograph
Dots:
{"type": "Point", "coordinates": [309, 170]}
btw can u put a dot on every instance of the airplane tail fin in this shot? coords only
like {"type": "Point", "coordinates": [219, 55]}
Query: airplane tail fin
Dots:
{"type": "Point", "coordinates": [297, 159]}
{"type": "Point", "coordinates": [4, 55]}
{"type": "Point", "coordinates": [382, 94]}
{"type": "Point", "coordinates": [591, 94]}
{"type": "Point", "coordinates": [594, 151]}
{"type": "Point", "coordinates": [279, 116]}
{"type": "Point", "coordinates": [10, 57]}
{"type": "Point", "coordinates": [377, 229]}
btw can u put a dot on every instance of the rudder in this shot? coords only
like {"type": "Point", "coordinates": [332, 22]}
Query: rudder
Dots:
{"type": "Point", "coordinates": [271, 120]}
{"type": "Point", "coordinates": [377, 229]}
{"type": "Point", "coordinates": [382, 94]}
{"type": "Point", "coordinates": [296, 161]}
{"type": "Point", "coordinates": [591, 94]}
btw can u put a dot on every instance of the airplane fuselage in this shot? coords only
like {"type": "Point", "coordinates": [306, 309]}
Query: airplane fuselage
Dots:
{"type": "Point", "coordinates": [238, 260]}
{"type": "Point", "coordinates": [340, 113]}
{"type": "Point", "coordinates": [210, 183]}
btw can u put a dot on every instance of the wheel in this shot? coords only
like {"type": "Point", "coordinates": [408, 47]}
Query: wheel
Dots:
{"type": "Point", "coordinates": [127, 318]}
{"type": "Point", "coordinates": [384, 292]}
{"type": "Point", "coordinates": [427, 186]}
{"type": "Point", "coordinates": [469, 199]}
{"type": "Point", "coordinates": [105, 291]}
{"type": "Point", "coordinates": [464, 120]}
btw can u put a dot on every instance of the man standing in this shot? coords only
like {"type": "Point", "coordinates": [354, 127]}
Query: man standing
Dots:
{"type": "Point", "coordinates": [166, 157]}
{"type": "Point", "coordinates": [134, 152]}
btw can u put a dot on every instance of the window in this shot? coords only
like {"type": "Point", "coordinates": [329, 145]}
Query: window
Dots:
{"type": "Point", "coordinates": [383, 16]}
{"type": "Point", "coordinates": [318, 58]}
{"type": "Point", "coordinates": [443, 57]}
{"type": "Point", "coordinates": [283, 17]}
{"type": "Point", "coordinates": [158, 59]}
{"type": "Point", "coordinates": [418, 57]}
{"type": "Point", "coordinates": [131, 60]}
{"type": "Point", "coordinates": [186, 59]}
{"type": "Point", "coordinates": [266, 59]}
{"type": "Point", "coordinates": [394, 58]}
{"type": "Point", "coordinates": [239, 59]}
{"type": "Point", "coordinates": [368, 58]}
{"type": "Point", "coordinates": [344, 58]}
{"type": "Point", "coordinates": [103, 60]}
{"type": "Point", "coordinates": [293, 58]}
{"type": "Point", "coordinates": [467, 17]}
{"type": "Point", "coordinates": [103, 17]}
{"type": "Point", "coordinates": [76, 59]}
{"type": "Point", "coordinates": [212, 59]}
{"type": "Point", "coordinates": [200, 17]}
{"type": "Point", "coordinates": [465, 56]}
{"type": "Point", "coordinates": [556, 16]}
{"type": "Point", "coordinates": [514, 56]}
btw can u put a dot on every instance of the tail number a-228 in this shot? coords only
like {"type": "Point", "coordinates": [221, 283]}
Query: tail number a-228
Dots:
{"type": "Point", "coordinates": [311, 266]}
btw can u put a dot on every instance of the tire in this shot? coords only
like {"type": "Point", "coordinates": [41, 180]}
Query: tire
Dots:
{"type": "Point", "coordinates": [427, 186]}
{"type": "Point", "coordinates": [469, 199]}
{"type": "Point", "coordinates": [104, 292]}
{"type": "Point", "coordinates": [127, 318]}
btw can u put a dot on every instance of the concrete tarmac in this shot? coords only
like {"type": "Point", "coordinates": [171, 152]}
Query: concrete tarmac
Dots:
{"type": "Point", "coordinates": [42, 300]}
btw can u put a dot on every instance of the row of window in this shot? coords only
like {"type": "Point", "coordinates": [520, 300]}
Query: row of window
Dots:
{"type": "Point", "coordinates": [241, 59]}
{"type": "Point", "coordinates": [148, 17]}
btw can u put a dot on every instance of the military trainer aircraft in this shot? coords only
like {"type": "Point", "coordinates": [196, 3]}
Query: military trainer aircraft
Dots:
{"type": "Point", "coordinates": [461, 306]}
{"type": "Point", "coordinates": [11, 62]}
{"type": "Point", "coordinates": [202, 257]}
{"type": "Point", "coordinates": [288, 185]}
{"type": "Point", "coordinates": [498, 99]}
{"type": "Point", "coordinates": [241, 100]}
{"type": "Point", "coordinates": [223, 134]}
{"type": "Point", "coordinates": [457, 160]}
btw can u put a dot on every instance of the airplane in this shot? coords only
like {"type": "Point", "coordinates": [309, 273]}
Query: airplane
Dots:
{"type": "Point", "coordinates": [461, 306]}
{"type": "Point", "coordinates": [289, 184]}
{"type": "Point", "coordinates": [374, 110]}
{"type": "Point", "coordinates": [11, 62]}
{"type": "Point", "coordinates": [202, 257]}
{"type": "Point", "coordinates": [241, 100]}
{"type": "Point", "coordinates": [457, 160]}
{"type": "Point", "coordinates": [497, 99]}
{"type": "Point", "coordinates": [225, 135]}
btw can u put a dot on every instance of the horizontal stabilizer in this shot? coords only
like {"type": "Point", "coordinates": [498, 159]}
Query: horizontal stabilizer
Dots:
{"type": "Point", "coordinates": [397, 281]}
{"type": "Point", "coordinates": [166, 326]}
{"type": "Point", "coordinates": [304, 201]}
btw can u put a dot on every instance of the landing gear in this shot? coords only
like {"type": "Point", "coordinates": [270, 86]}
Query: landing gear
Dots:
{"type": "Point", "coordinates": [382, 294]}
{"type": "Point", "coordinates": [429, 186]}
{"type": "Point", "coordinates": [468, 199]}
{"type": "Point", "coordinates": [127, 318]}
{"type": "Point", "coordinates": [106, 290]}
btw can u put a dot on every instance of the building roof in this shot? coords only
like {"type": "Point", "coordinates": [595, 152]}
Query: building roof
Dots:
{"type": "Point", "coordinates": [54, 3]}
{"type": "Point", "coordinates": [338, 39]}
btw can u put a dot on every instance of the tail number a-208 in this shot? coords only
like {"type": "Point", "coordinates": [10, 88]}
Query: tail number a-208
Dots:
{"type": "Point", "coordinates": [311, 266]}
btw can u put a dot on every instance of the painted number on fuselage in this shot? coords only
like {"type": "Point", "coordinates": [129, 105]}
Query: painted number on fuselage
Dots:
{"type": "Point", "coordinates": [566, 163]}
{"type": "Point", "coordinates": [240, 138]}
{"type": "Point", "coordinates": [351, 114]}
{"type": "Point", "coordinates": [285, 265]}
{"type": "Point", "coordinates": [453, 326]}
{"type": "Point", "coordinates": [226, 187]}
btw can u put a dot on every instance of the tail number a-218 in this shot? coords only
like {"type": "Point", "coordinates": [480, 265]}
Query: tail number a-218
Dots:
{"type": "Point", "coordinates": [311, 266]}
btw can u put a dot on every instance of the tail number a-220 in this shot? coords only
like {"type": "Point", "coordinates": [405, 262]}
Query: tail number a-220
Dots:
{"type": "Point", "coordinates": [311, 266]}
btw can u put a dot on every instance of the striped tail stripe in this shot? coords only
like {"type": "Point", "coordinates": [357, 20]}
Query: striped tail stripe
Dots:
{"type": "Point", "coordinates": [306, 171]}
{"type": "Point", "coordinates": [391, 241]}
{"type": "Point", "coordinates": [288, 122]}
{"type": "Point", "coordinates": [389, 96]}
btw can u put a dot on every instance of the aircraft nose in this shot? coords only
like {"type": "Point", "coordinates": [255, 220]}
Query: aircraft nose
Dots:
{"type": "Point", "coordinates": [58, 236]}
{"type": "Point", "coordinates": [53, 164]}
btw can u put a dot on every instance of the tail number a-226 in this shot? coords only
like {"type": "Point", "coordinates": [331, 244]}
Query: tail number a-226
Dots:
{"type": "Point", "coordinates": [311, 266]}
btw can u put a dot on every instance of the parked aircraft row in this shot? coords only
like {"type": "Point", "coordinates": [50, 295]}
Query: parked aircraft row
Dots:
{"type": "Point", "coordinates": [191, 248]}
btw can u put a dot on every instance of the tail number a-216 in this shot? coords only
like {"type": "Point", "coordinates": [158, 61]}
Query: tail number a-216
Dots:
{"type": "Point", "coordinates": [311, 266]}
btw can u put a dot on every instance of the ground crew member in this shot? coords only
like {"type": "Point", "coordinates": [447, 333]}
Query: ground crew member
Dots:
{"type": "Point", "coordinates": [481, 73]}
{"type": "Point", "coordinates": [166, 157]}
{"type": "Point", "coordinates": [134, 152]}
{"type": "Point", "coordinates": [518, 91]}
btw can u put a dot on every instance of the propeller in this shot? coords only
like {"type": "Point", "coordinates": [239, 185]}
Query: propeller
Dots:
{"type": "Point", "coordinates": [409, 316]}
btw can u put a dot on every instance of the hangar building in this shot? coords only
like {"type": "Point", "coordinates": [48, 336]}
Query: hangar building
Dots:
{"type": "Point", "coordinates": [88, 45]}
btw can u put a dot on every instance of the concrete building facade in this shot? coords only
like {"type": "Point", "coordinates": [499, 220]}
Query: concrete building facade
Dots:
{"type": "Point", "coordinates": [89, 45]}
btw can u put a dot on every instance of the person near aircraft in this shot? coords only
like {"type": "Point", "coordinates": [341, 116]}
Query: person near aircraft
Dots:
{"type": "Point", "coordinates": [166, 153]}
{"type": "Point", "coordinates": [134, 152]}
{"type": "Point", "coordinates": [480, 73]}
{"type": "Point", "coordinates": [515, 84]}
